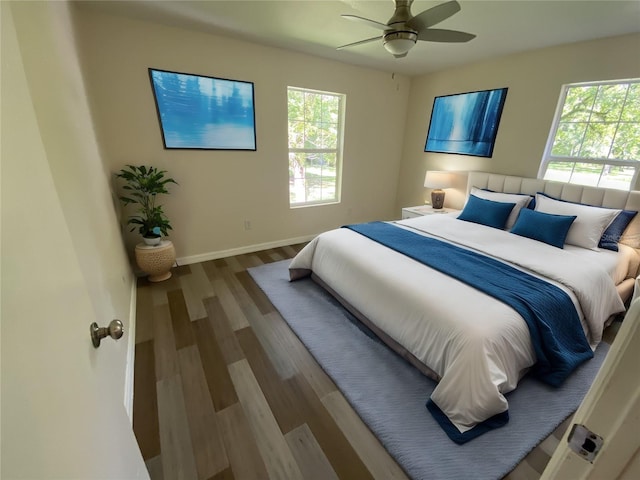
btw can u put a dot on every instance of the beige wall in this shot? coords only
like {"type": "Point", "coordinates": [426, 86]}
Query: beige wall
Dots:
{"type": "Point", "coordinates": [219, 190]}
{"type": "Point", "coordinates": [534, 80]}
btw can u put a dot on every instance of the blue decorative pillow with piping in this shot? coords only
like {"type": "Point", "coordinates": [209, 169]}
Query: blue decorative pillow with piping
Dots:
{"type": "Point", "coordinates": [613, 233]}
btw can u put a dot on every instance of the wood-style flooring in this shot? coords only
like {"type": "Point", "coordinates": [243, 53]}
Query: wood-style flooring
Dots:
{"type": "Point", "coordinates": [225, 390]}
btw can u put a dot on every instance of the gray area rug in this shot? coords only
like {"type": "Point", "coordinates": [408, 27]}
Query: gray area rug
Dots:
{"type": "Point", "coordinates": [390, 395]}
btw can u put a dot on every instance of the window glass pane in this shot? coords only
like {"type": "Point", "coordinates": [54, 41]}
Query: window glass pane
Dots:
{"type": "Point", "coordinates": [296, 177]}
{"type": "Point", "coordinates": [609, 102]}
{"type": "Point", "coordinates": [328, 176]}
{"type": "Point", "coordinates": [615, 176]}
{"type": "Point", "coordinates": [328, 135]}
{"type": "Point", "coordinates": [312, 107]}
{"type": "Point", "coordinates": [597, 140]}
{"type": "Point", "coordinates": [313, 176]}
{"type": "Point", "coordinates": [296, 105]}
{"type": "Point", "coordinates": [578, 104]}
{"type": "Point", "coordinates": [586, 174]}
{"type": "Point", "coordinates": [314, 188]}
{"type": "Point", "coordinates": [311, 136]}
{"type": "Point", "coordinates": [568, 139]}
{"type": "Point", "coordinates": [310, 161]}
{"type": "Point", "coordinates": [331, 162]}
{"type": "Point", "coordinates": [626, 145]}
{"type": "Point", "coordinates": [296, 134]}
{"type": "Point", "coordinates": [631, 110]}
{"type": "Point", "coordinates": [331, 108]}
{"type": "Point", "coordinates": [559, 171]}
{"type": "Point", "coordinates": [296, 166]}
{"type": "Point", "coordinates": [297, 193]}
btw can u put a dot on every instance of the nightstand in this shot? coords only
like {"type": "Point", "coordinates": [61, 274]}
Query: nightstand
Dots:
{"type": "Point", "coordinates": [420, 210]}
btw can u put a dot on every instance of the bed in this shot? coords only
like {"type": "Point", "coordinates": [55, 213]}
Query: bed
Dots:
{"type": "Point", "coordinates": [465, 335]}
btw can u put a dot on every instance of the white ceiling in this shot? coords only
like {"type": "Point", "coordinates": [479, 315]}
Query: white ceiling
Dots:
{"type": "Point", "coordinates": [315, 27]}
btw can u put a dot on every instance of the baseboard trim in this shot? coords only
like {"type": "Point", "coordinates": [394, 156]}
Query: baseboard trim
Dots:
{"type": "Point", "coordinates": [204, 257]}
{"type": "Point", "coordinates": [131, 352]}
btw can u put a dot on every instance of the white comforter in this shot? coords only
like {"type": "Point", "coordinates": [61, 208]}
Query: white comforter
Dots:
{"type": "Point", "coordinates": [479, 346]}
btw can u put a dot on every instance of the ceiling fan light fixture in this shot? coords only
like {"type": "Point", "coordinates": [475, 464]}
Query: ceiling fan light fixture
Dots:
{"type": "Point", "coordinates": [399, 43]}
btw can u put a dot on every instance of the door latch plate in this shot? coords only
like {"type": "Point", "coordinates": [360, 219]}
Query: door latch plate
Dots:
{"type": "Point", "coordinates": [584, 442]}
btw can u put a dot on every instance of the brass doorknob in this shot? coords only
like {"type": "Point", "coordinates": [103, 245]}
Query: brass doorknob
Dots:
{"type": "Point", "coordinates": [114, 330]}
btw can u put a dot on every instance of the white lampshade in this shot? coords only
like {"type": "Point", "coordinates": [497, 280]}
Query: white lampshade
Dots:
{"type": "Point", "coordinates": [438, 179]}
{"type": "Point", "coordinates": [399, 43]}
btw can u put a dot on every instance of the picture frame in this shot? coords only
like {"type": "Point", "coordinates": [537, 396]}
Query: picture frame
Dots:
{"type": "Point", "coordinates": [466, 123]}
{"type": "Point", "coordinates": [199, 112]}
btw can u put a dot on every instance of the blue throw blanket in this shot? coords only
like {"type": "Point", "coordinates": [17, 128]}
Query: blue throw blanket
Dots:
{"type": "Point", "coordinates": [558, 339]}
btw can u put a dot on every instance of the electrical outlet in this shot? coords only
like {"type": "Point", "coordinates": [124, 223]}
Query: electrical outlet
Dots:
{"type": "Point", "coordinates": [247, 224]}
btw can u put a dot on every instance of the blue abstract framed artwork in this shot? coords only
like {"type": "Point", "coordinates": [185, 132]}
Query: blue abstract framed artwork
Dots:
{"type": "Point", "coordinates": [466, 123]}
{"type": "Point", "coordinates": [204, 113]}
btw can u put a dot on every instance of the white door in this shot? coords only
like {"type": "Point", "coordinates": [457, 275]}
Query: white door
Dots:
{"type": "Point", "coordinates": [61, 417]}
{"type": "Point", "coordinates": [611, 409]}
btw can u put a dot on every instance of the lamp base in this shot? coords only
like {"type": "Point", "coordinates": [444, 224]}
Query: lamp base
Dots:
{"type": "Point", "coordinates": [437, 199]}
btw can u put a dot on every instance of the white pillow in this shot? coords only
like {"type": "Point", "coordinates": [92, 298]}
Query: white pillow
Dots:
{"type": "Point", "coordinates": [521, 202]}
{"type": "Point", "coordinates": [589, 225]}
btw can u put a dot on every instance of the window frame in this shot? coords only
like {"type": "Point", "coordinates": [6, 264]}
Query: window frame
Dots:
{"type": "Point", "coordinates": [548, 158]}
{"type": "Point", "coordinates": [338, 150]}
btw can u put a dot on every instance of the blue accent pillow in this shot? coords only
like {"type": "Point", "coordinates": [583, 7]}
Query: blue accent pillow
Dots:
{"type": "Point", "coordinates": [486, 212]}
{"type": "Point", "coordinates": [613, 232]}
{"type": "Point", "coordinates": [544, 227]}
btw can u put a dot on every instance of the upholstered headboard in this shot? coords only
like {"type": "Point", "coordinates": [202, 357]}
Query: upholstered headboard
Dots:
{"type": "Point", "coordinates": [601, 197]}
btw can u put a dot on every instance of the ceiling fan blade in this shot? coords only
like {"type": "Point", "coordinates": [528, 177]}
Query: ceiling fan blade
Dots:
{"type": "Point", "coordinates": [366, 21]}
{"type": "Point", "coordinates": [358, 43]}
{"type": "Point", "coordinates": [447, 36]}
{"type": "Point", "coordinates": [434, 15]}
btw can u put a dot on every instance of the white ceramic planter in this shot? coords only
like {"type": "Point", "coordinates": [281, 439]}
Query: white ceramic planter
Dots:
{"type": "Point", "coordinates": [152, 241]}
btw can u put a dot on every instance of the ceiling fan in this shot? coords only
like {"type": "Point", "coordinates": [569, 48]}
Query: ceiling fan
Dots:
{"type": "Point", "coordinates": [403, 29]}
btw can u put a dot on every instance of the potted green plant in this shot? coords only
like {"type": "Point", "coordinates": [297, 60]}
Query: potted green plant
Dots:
{"type": "Point", "coordinates": [142, 186]}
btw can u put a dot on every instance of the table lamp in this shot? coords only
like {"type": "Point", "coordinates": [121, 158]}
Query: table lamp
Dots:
{"type": "Point", "coordinates": [437, 181]}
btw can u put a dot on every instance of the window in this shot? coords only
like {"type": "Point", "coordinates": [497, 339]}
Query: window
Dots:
{"type": "Point", "coordinates": [595, 138]}
{"type": "Point", "coordinates": [316, 122]}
